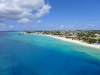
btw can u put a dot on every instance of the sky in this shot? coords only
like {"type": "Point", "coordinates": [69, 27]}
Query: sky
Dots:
{"type": "Point", "coordinates": [49, 15]}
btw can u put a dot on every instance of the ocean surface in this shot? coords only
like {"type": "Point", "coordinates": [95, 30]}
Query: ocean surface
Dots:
{"type": "Point", "coordinates": [33, 54]}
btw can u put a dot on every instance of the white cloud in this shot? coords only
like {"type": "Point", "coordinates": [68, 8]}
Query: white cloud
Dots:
{"type": "Point", "coordinates": [42, 11]}
{"type": "Point", "coordinates": [11, 26]}
{"type": "Point", "coordinates": [70, 26]}
{"type": "Point", "coordinates": [22, 10]}
{"type": "Point", "coordinates": [39, 21]}
{"type": "Point", "coordinates": [2, 24]}
{"type": "Point", "coordinates": [92, 25]}
{"type": "Point", "coordinates": [24, 20]}
{"type": "Point", "coordinates": [62, 26]}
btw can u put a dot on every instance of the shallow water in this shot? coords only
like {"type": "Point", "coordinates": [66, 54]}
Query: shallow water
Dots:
{"type": "Point", "coordinates": [42, 55]}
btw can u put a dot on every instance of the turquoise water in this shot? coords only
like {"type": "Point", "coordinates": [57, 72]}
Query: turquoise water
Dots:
{"type": "Point", "coordinates": [42, 55]}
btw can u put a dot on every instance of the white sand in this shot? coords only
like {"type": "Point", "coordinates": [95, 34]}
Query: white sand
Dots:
{"type": "Point", "coordinates": [75, 41]}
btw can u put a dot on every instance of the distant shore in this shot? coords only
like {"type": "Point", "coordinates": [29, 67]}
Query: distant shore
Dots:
{"type": "Point", "coordinates": [75, 41]}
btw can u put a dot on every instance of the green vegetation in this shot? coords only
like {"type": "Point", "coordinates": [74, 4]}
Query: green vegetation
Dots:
{"type": "Point", "coordinates": [91, 36]}
{"type": "Point", "coordinates": [28, 32]}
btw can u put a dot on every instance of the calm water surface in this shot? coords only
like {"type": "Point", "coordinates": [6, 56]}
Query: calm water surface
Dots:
{"type": "Point", "coordinates": [42, 55]}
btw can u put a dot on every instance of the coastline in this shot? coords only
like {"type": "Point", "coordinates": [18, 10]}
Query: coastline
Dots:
{"type": "Point", "coordinates": [74, 41]}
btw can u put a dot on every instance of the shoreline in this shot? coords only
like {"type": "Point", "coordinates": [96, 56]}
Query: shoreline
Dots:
{"type": "Point", "coordinates": [74, 41]}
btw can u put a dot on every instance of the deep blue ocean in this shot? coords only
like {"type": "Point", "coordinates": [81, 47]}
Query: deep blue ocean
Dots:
{"type": "Point", "coordinates": [33, 54]}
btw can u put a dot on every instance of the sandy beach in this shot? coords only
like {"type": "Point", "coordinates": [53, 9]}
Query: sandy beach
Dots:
{"type": "Point", "coordinates": [75, 41]}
